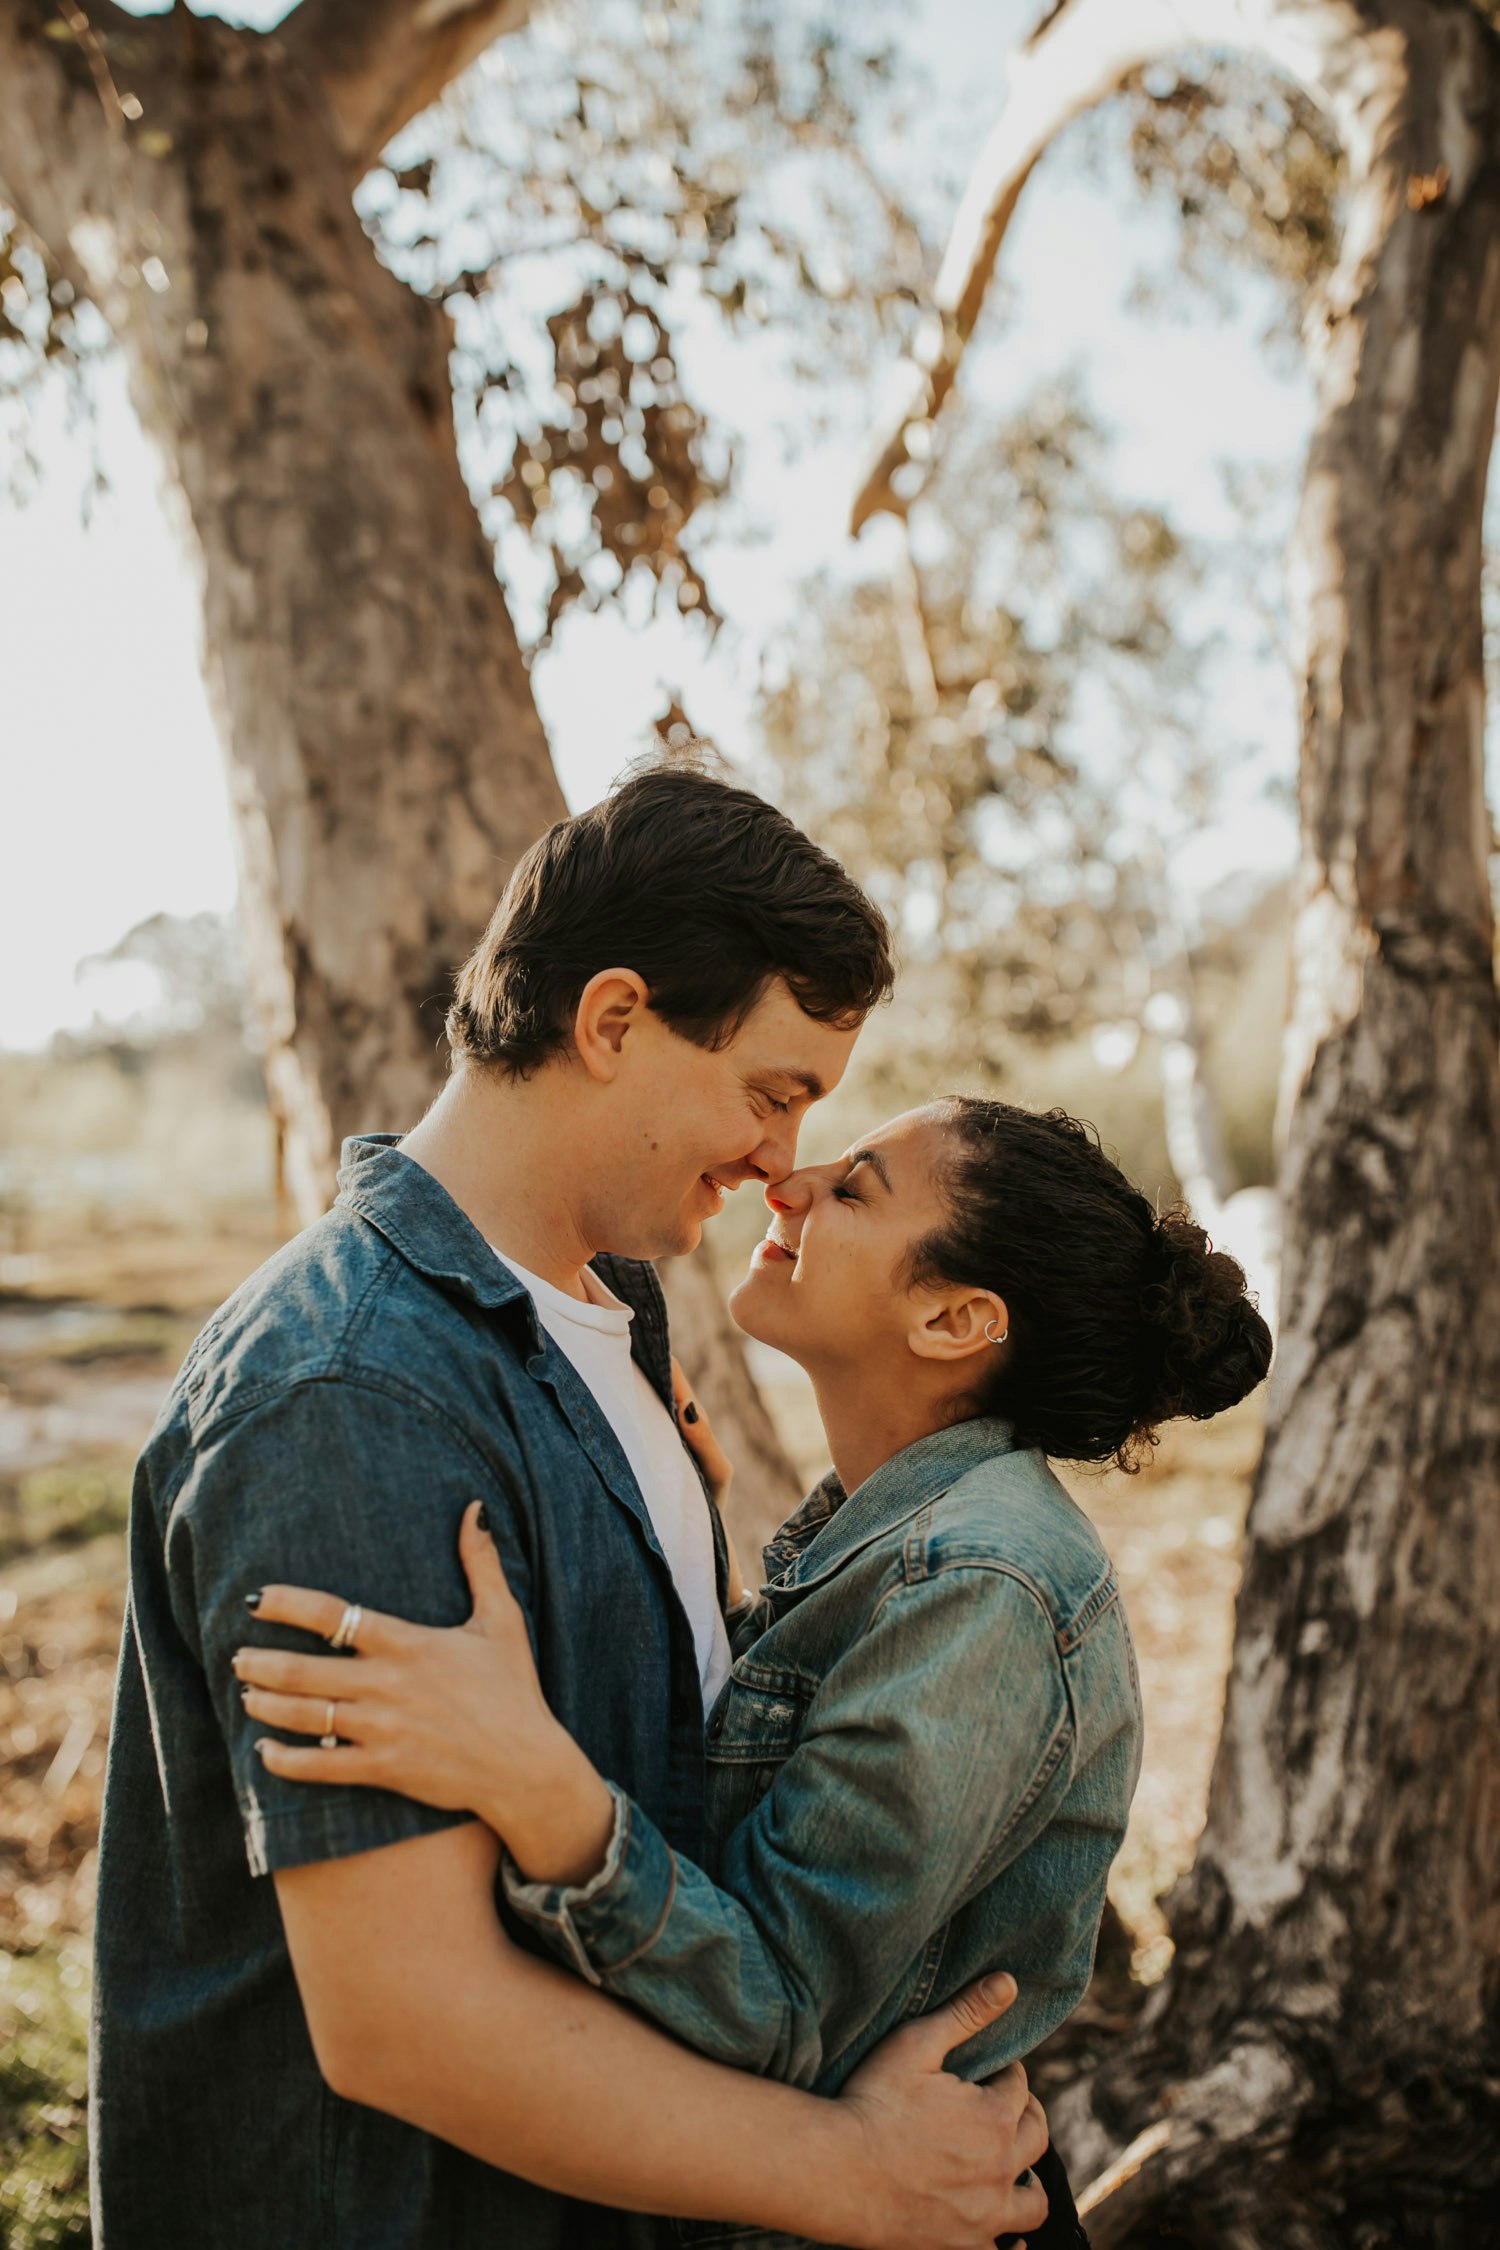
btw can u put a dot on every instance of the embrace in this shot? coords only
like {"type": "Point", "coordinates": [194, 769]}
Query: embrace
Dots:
{"type": "Point", "coordinates": [486, 1863]}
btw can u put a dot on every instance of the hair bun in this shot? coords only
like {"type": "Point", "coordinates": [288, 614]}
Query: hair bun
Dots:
{"type": "Point", "coordinates": [1215, 1346]}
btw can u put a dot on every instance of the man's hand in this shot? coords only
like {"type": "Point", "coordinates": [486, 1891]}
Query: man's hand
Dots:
{"type": "Point", "coordinates": [948, 2153]}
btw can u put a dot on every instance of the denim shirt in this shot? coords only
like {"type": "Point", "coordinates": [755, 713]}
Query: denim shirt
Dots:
{"type": "Point", "coordinates": [329, 1427]}
{"type": "Point", "coordinates": [919, 1771]}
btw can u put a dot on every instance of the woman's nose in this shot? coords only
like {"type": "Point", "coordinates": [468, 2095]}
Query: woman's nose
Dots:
{"type": "Point", "coordinates": [794, 1193]}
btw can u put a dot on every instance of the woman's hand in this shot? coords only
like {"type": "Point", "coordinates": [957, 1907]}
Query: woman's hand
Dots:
{"type": "Point", "coordinates": [454, 1717]}
{"type": "Point", "coordinates": [712, 1460]}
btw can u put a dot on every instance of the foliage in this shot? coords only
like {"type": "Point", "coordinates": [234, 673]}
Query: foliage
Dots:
{"type": "Point", "coordinates": [196, 963]}
{"type": "Point", "coordinates": [987, 736]}
{"type": "Point", "coordinates": [43, 2082]}
{"type": "Point", "coordinates": [668, 160]}
{"type": "Point", "coordinates": [45, 328]}
{"type": "Point", "coordinates": [1251, 166]}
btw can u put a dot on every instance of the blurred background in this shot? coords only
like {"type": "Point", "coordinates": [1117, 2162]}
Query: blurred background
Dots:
{"type": "Point", "coordinates": [1044, 709]}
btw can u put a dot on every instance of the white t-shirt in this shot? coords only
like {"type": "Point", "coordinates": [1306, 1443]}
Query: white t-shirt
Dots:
{"type": "Point", "coordinates": [596, 1338]}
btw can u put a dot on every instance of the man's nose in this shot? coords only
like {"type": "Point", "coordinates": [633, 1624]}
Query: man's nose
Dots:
{"type": "Point", "coordinates": [776, 1155]}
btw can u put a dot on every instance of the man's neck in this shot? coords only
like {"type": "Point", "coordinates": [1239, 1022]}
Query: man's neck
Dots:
{"type": "Point", "coordinates": [501, 1149]}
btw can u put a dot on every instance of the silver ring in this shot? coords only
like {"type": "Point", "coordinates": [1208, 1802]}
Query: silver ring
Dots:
{"type": "Point", "coordinates": [1000, 1339]}
{"type": "Point", "coordinates": [343, 1633]}
{"type": "Point", "coordinates": [330, 1740]}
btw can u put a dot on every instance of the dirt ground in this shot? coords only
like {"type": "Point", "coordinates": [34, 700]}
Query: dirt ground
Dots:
{"type": "Point", "coordinates": [88, 1345]}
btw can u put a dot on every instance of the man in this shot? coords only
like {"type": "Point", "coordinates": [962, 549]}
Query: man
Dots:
{"type": "Point", "coordinates": [311, 2027]}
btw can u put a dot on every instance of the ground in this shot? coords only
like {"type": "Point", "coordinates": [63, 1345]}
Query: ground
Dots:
{"type": "Point", "coordinates": [90, 1334]}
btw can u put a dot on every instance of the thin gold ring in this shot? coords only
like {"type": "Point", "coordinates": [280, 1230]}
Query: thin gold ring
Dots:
{"type": "Point", "coordinates": [329, 1740]}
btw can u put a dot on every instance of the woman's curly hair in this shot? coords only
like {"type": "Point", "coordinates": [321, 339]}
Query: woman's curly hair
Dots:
{"type": "Point", "coordinates": [1120, 1319]}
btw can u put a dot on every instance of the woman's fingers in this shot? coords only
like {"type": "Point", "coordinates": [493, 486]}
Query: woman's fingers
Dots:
{"type": "Point", "coordinates": [304, 1714]}
{"type": "Point", "coordinates": [291, 1673]}
{"type": "Point", "coordinates": [699, 1432]}
{"type": "Point", "coordinates": [493, 1599]}
{"type": "Point", "coordinates": [314, 1612]}
{"type": "Point", "coordinates": [296, 1761]}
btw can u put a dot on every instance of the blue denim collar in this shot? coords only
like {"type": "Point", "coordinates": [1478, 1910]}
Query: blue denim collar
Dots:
{"type": "Point", "coordinates": [827, 1529]}
{"type": "Point", "coordinates": [421, 1220]}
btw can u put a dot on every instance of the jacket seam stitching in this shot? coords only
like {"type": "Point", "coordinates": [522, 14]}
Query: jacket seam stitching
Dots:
{"type": "Point", "coordinates": [381, 1384]}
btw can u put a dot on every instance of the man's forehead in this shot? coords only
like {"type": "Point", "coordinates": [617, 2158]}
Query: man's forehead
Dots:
{"type": "Point", "coordinates": [779, 1040]}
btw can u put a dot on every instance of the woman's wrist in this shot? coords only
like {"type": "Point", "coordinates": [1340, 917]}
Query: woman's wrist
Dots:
{"type": "Point", "coordinates": [556, 1814]}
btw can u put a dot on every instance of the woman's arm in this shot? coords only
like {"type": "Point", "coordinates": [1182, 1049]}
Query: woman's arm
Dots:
{"type": "Point", "coordinates": [922, 1746]}
{"type": "Point", "coordinates": [418, 2006]}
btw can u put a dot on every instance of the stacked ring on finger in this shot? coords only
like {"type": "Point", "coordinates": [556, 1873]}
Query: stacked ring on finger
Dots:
{"type": "Point", "coordinates": [343, 1633]}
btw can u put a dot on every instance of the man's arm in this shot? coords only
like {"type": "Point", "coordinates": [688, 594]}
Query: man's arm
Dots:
{"type": "Point", "coordinates": [418, 2005]}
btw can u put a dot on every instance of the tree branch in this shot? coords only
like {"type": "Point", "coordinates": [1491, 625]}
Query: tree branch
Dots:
{"type": "Point", "coordinates": [384, 61]}
{"type": "Point", "coordinates": [1083, 52]}
{"type": "Point", "coordinates": [63, 155]}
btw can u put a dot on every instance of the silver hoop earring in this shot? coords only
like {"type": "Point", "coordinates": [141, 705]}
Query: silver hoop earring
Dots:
{"type": "Point", "coordinates": [1000, 1339]}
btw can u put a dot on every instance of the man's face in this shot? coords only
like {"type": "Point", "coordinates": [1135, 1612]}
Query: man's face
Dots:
{"type": "Point", "coordinates": [685, 1124]}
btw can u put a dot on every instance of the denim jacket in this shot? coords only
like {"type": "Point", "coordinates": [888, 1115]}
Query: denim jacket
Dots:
{"type": "Point", "coordinates": [919, 1771]}
{"type": "Point", "coordinates": [329, 1428]}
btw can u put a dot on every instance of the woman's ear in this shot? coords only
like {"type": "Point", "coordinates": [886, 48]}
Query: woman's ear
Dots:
{"type": "Point", "coordinates": [609, 1004]}
{"type": "Point", "coordinates": [955, 1324]}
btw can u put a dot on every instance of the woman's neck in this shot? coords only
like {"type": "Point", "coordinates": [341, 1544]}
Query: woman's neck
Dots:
{"type": "Point", "coordinates": [867, 1423]}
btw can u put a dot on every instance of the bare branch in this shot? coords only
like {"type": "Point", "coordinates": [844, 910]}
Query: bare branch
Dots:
{"type": "Point", "coordinates": [1082, 53]}
{"type": "Point", "coordinates": [384, 61]}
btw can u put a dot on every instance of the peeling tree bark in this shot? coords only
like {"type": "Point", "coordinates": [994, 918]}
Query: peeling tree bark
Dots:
{"type": "Point", "coordinates": [385, 761]}
{"type": "Point", "coordinates": [1318, 2069]}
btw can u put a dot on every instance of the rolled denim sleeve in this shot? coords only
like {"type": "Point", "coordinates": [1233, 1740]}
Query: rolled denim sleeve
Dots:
{"type": "Point", "coordinates": [927, 1750]}
{"type": "Point", "coordinates": [355, 1488]}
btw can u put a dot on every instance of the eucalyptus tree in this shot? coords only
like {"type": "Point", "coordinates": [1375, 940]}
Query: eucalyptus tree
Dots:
{"type": "Point", "coordinates": [212, 198]}
{"type": "Point", "coordinates": [1319, 2067]}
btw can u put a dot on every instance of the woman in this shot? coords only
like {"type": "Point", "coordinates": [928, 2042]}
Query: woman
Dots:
{"type": "Point", "coordinates": [922, 1765]}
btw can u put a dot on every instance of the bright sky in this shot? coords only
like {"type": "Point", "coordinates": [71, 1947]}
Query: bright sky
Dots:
{"type": "Point", "coordinates": [113, 794]}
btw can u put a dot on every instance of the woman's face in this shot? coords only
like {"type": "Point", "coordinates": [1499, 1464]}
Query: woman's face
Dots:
{"type": "Point", "coordinates": [828, 1284]}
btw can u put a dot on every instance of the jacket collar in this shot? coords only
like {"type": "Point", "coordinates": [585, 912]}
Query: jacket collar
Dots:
{"type": "Point", "coordinates": [422, 1222]}
{"type": "Point", "coordinates": [827, 1529]}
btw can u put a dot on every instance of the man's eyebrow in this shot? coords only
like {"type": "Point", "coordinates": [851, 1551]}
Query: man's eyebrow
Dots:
{"type": "Point", "coordinates": [876, 1163]}
{"type": "Point", "coordinates": [808, 1080]}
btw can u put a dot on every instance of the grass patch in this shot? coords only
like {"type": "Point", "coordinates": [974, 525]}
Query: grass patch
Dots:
{"type": "Point", "coordinates": [63, 1506]}
{"type": "Point", "coordinates": [144, 1335]}
{"type": "Point", "coordinates": [43, 2093]}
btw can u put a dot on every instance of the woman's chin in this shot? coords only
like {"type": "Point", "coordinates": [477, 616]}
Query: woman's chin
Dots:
{"type": "Point", "coordinates": [750, 1310]}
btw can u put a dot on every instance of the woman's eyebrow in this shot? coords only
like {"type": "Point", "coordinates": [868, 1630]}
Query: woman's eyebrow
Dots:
{"type": "Point", "coordinates": [876, 1164]}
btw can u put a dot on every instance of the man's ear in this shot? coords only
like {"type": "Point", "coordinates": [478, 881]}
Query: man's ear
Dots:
{"type": "Point", "coordinates": [951, 1324]}
{"type": "Point", "coordinates": [610, 1004]}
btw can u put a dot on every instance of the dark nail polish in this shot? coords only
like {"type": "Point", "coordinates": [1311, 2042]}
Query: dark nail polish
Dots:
{"type": "Point", "coordinates": [252, 1601]}
{"type": "Point", "coordinates": [483, 1519]}
{"type": "Point", "coordinates": [690, 1412]}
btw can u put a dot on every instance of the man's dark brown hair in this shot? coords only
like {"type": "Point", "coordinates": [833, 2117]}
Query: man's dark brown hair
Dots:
{"type": "Point", "coordinates": [702, 888]}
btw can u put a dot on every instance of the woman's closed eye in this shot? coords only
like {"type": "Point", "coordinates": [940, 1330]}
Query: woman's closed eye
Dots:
{"type": "Point", "coordinates": [843, 1194]}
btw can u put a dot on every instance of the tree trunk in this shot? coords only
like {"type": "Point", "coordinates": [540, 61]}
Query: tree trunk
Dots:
{"type": "Point", "coordinates": [1320, 2067]}
{"type": "Point", "coordinates": [1339, 1935]}
{"type": "Point", "coordinates": [385, 760]}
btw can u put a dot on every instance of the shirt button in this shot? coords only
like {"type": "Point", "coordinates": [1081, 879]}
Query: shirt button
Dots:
{"type": "Point", "coordinates": [716, 1726]}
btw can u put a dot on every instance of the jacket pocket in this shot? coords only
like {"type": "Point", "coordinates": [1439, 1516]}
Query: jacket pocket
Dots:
{"type": "Point", "coordinates": [756, 1725]}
